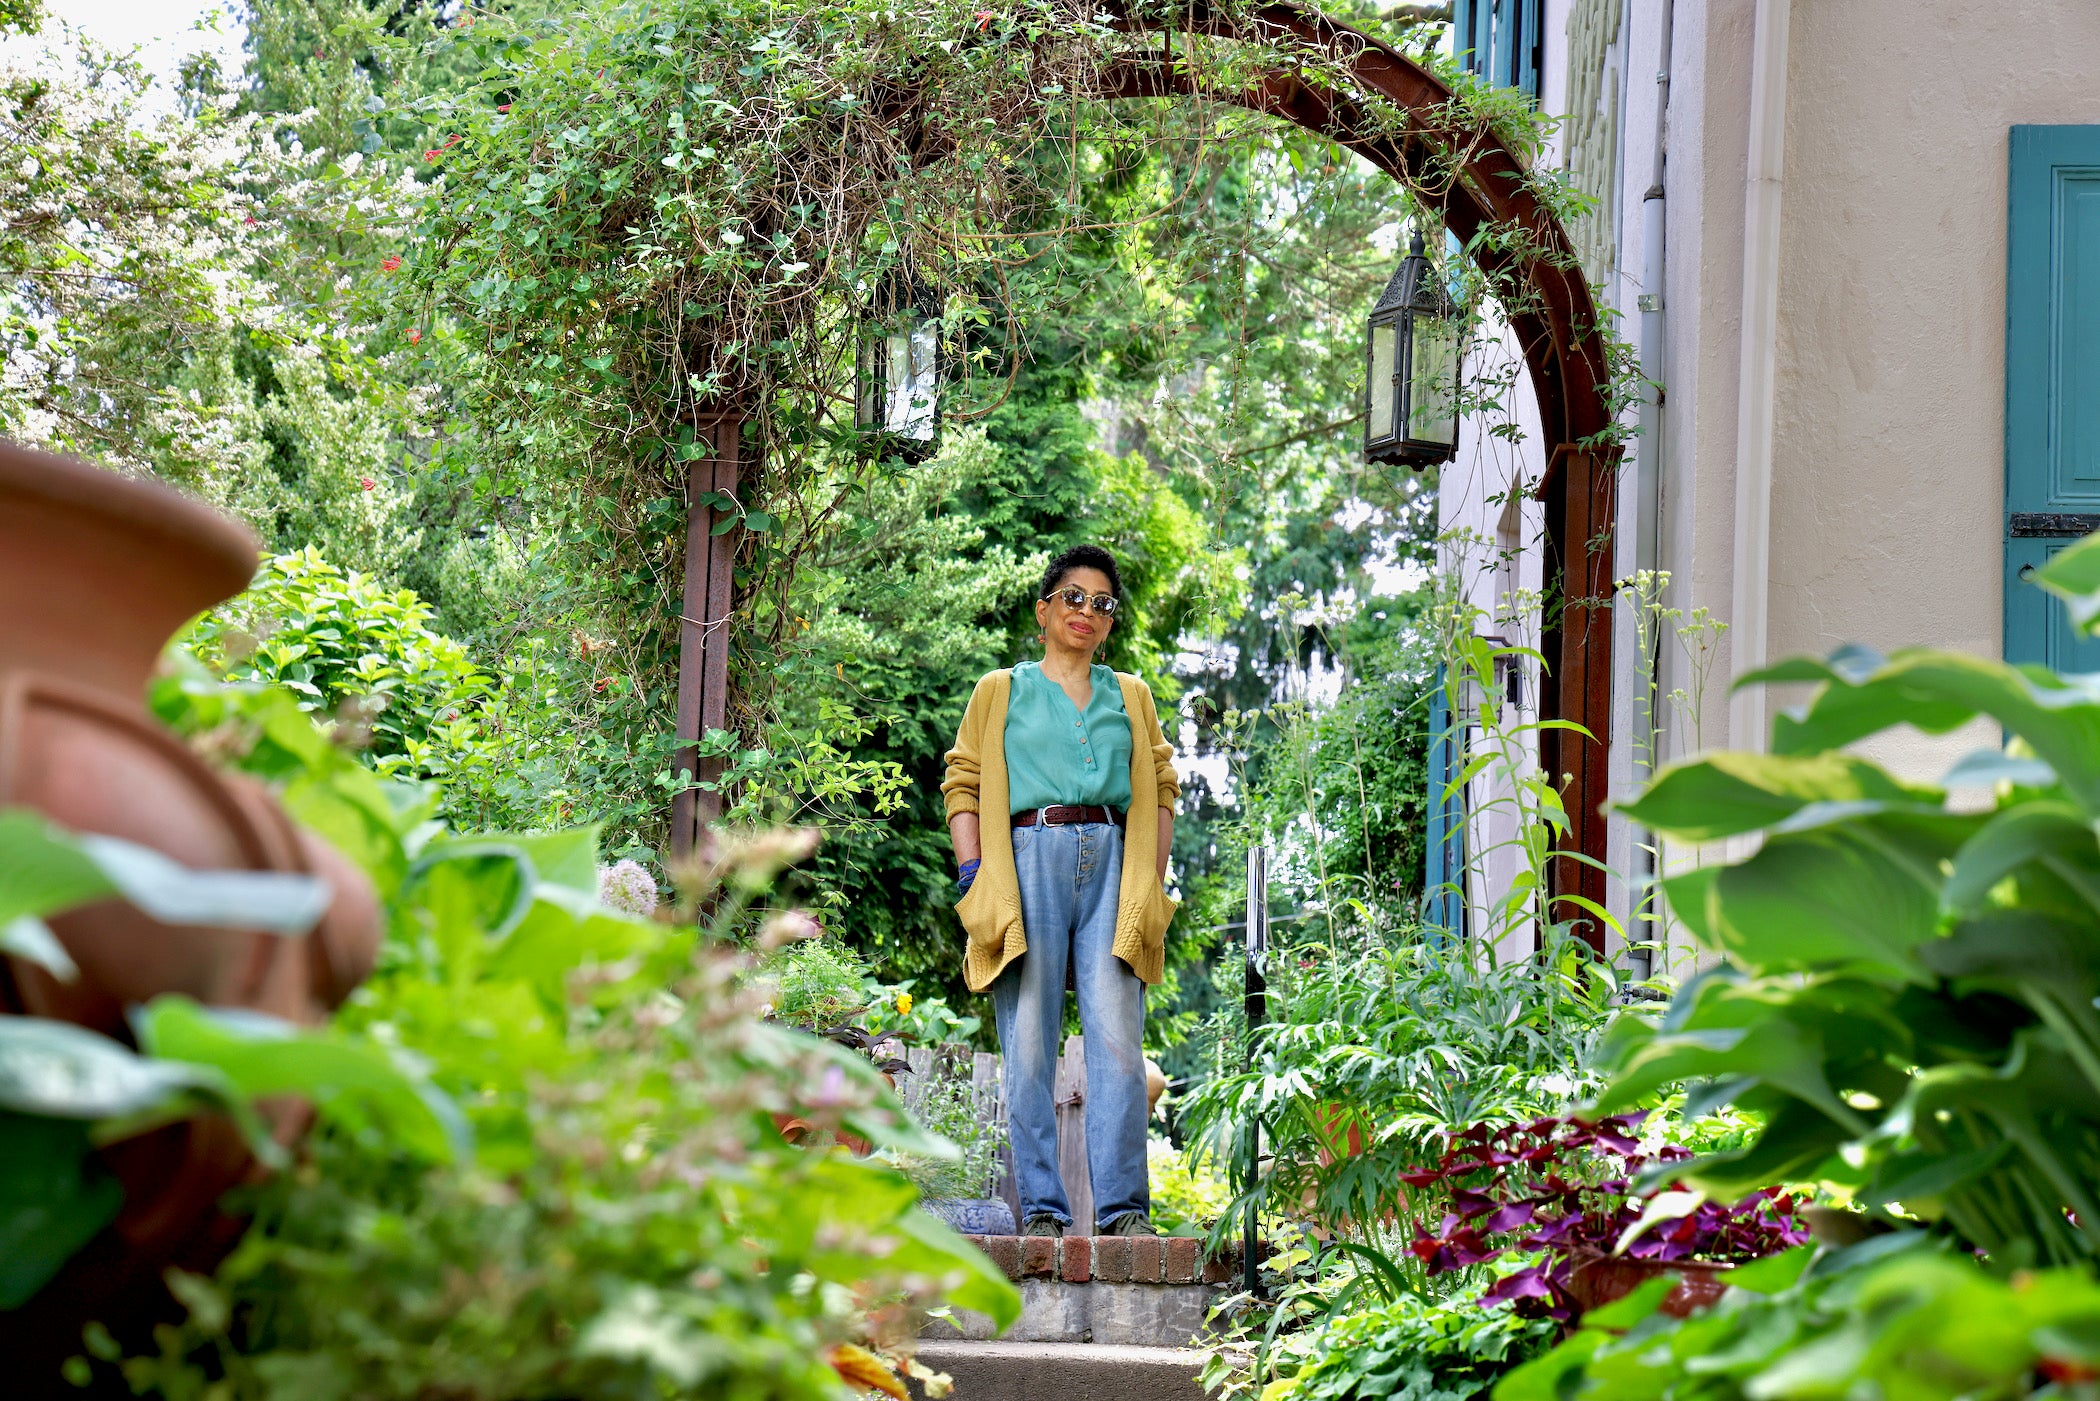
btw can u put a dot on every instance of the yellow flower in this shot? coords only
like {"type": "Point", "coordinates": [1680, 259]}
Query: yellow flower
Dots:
{"type": "Point", "coordinates": [903, 1004]}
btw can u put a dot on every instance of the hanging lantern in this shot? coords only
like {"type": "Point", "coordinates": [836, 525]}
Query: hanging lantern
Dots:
{"type": "Point", "coordinates": [898, 389]}
{"type": "Point", "coordinates": [1412, 351]}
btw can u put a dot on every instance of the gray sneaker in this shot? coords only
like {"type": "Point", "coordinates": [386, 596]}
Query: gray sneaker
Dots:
{"type": "Point", "coordinates": [1130, 1223]}
{"type": "Point", "coordinates": [1043, 1224]}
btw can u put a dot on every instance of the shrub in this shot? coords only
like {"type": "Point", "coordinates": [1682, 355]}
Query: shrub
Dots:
{"type": "Point", "coordinates": [1896, 1316]}
{"type": "Point", "coordinates": [364, 661]}
{"type": "Point", "coordinates": [359, 656]}
{"type": "Point", "coordinates": [1378, 1053]}
{"type": "Point", "coordinates": [818, 985]}
{"type": "Point", "coordinates": [631, 1223]}
{"type": "Point", "coordinates": [1411, 1350]}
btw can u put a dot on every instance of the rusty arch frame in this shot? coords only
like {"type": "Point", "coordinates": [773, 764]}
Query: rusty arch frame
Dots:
{"type": "Point", "coordinates": [1559, 332]}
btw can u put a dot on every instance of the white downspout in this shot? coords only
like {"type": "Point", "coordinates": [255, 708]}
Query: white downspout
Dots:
{"type": "Point", "coordinates": [1648, 465]}
{"type": "Point", "coordinates": [1647, 544]}
{"type": "Point", "coordinates": [1747, 633]}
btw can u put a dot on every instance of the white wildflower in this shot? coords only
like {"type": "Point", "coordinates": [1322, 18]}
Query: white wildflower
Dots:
{"type": "Point", "coordinates": [628, 886]}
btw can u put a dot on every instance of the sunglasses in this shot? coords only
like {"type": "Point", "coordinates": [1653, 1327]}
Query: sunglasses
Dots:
{"type": "Point", "coordinates": [1075, 598]}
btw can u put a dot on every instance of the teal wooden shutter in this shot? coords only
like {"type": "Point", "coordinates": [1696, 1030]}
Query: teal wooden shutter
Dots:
{"type": "Point", "coordinates": [1501, 40]}
{"type": "Point", "coordinates": [2052, 381]}
{"type": "Point", "coordinates": [1443, 885]}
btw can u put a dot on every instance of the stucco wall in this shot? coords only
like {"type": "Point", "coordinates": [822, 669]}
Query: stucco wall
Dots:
{"type": "Point", "coordinates": [1888, 471]}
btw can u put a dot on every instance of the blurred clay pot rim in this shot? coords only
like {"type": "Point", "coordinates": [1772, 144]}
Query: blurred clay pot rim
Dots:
{"type": "Point", "coordinates": [148, 507]}
{"type": "Point", "coordinates": [98, 570]}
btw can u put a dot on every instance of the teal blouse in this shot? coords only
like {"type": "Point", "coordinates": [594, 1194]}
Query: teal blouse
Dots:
{"type": "Point", "coordinates": [1058, 753]}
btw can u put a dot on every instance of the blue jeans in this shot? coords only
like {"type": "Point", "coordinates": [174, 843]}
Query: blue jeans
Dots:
{"type": "Point", "coordinates": [1069, 879]}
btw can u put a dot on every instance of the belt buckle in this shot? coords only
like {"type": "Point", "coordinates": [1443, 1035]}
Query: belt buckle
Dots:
{"type": "Point", "coordinates": [1047, 820]}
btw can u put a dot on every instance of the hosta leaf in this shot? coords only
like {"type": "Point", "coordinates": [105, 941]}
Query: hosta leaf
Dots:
{"type": "Point", "coordinates": [261, 1055]}
{"type": "Point", "coordinates": [1919, 1176]}
{"type": "Point", "coordinates": [2073, 575]}
{"type": "Point", "coordinates": [1938, 691]}
{"type": "Point", "coordinates": [65, 1071]}
{"type": "Point", "coordinates": [1796, 1141]}
{"type": "Point", "coordinates": [1824, 899]}
{"type": "Point", "coordinates": [2022, 952]}
{"type": "Point", "coordinates": [2032, 831]}
{"type": "Point", "coordinates": [30, 939]}
{"type": "Point", "coordinates": [54, 1198]}
{"type": "Point", "coordinates": [1724, 794]}
{"type": "Point", "coordinates": [45, 870]}
{"type": "Point", "coordinates": [41, 872]}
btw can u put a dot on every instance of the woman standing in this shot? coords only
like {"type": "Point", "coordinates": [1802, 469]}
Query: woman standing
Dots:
{"type": "Point", "coordinates": [1061, 792]}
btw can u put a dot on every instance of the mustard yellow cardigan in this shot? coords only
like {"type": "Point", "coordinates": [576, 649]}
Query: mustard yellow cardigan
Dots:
{"type": "Point", "coordinates": [976, 782]}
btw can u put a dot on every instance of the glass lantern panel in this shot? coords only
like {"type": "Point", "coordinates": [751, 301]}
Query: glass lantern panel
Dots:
{"type": "Point", "coordinates": [897, 371]}
{"type": "Point", "coordinates": [871, 384]}
{"type": "Point", "coordinates": [1378, 388]}
{"type": "Point", "coordinates": [921, 387]}
{"type": "Point", "coordinates": [1432, 390]}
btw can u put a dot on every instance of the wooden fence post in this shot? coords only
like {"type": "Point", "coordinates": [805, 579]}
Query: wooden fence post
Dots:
{"type": "Point", "coordinates": [988, 1077]}
{"type": "Point", "coordinates": [703, 622]}
{"type": "Point", "coordinates": [1071, 1136]}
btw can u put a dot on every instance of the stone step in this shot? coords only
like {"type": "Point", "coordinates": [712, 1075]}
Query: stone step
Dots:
{"type": "Point", "coordinates": [1058, 1311]}
{"type": "Point", "coordinates": [1065, 1371]}
{"type": "Point", "coordinates": [1145, 1291]}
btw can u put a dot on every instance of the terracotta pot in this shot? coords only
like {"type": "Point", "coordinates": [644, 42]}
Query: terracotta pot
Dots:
{"type": "Point", "coordinates": [97, 572]}
{"type": "Point", "coordinates": [1608, 1279]}
{"type": "Point", "coordinates": [1336, 1142]}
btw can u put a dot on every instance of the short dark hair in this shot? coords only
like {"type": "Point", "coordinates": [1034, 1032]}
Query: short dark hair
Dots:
{"type": "Point", "coordinates": [1081, 557]}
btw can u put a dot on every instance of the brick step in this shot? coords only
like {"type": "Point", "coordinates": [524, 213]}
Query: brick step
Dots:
{"type": "Point", "coordinates": [1113, 1259]}
{"type": "Point", "coordinates": [1143, 1291]}
{"type": "Point", "coordinates": [1005, 1371]}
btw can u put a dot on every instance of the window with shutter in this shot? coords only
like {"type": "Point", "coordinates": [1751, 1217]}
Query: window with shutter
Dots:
{"type": "Point", "coordinates": [2052, 380]}
{"type": "Point", "coordinates": [1501, 40]}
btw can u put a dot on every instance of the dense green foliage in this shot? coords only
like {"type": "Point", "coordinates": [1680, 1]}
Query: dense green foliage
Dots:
{"type": "Point", "coordinates": [1907, 1014]}
{"type": "Point", "coordinates": [1897, 1316]}
{"type": "Point", "coordinates": [1378, 1053]}
{"type": "Point", "coordinates": [630, 1218]}
{"type": "Point", "coordinates": [1171, 370]}
{"type": "Point", "coordinates": [66, 1090]}
{"type": "Point", "coordinates": [1909, 998]}
{"type": "Point", "coordinates": [1408, 1350]}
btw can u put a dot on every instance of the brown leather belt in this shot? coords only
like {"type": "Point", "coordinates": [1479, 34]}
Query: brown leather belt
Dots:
{"type": "Point", "coordinates": [1064, 815]}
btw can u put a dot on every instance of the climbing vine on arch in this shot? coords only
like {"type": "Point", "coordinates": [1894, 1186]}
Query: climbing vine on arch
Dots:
{"type": "Point", "coordinates": [642, 211]}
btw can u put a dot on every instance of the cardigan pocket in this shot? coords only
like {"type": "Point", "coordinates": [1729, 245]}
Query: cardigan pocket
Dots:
{"type": "Point", "coordinates": [980, 917]}
{"type": "Point", "coordinates": [1157, 914]}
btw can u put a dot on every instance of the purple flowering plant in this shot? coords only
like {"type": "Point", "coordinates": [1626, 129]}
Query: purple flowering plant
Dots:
{"type": "Point", "coordinates": [1572, 1191]}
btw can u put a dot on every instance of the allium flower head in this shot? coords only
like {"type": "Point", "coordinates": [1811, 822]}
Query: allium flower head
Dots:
{"type": "Point", "coordinates": [628, 886]}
